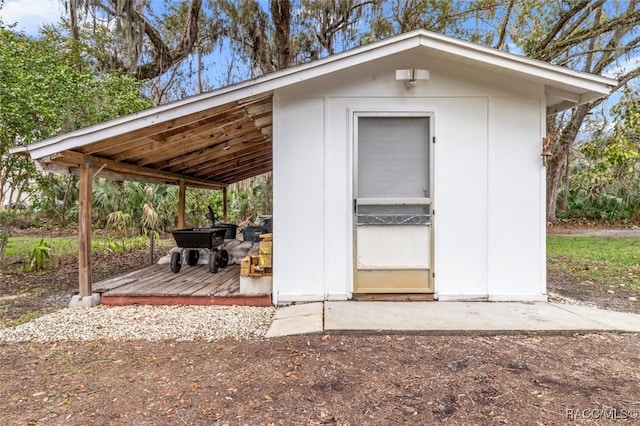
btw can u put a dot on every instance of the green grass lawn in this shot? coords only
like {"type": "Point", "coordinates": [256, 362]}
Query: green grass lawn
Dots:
{"type": "Point", "coordinates": [607, 260]}
{"type": "Point", "coordinates": [62, 246]}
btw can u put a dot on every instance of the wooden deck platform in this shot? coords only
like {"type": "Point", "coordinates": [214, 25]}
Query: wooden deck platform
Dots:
{"type": "Point", "coordinates": [193, 285]}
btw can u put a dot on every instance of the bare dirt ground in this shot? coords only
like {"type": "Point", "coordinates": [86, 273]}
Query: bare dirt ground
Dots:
{"type": "Point", "coordinates": [631, 232]}
{"type": "Point", "coordinates": [563, 287]}
{"type": "Point", "coordinates": [593, 229]}
{"type": "Point", "coordinates": [330, 380]}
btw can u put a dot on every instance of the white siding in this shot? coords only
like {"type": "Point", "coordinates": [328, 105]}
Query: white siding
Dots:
{"type": "Point", "coordinates": [298, 192]}
{"type": "Point", "coordinates": [516, 228]}
{"type": "Point", "coordinates": [338, 204]}
{"type": "Point", "coordinates": [460, 200]}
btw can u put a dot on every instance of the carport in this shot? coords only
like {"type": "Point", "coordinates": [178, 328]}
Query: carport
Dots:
{"type": "Point", "coordinates": [202, 142]}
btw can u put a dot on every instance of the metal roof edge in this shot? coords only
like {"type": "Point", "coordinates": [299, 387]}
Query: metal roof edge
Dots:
{"type": "Point", "coordinates": [18, 149]}
{"type": "Point", "coordinates": [426, 36]}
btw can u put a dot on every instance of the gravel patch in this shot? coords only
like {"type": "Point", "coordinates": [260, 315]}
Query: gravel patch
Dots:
{"type": "Point", "coordinates": [558, 298]}
{"type": "Point", "coordinates": [144, 322]}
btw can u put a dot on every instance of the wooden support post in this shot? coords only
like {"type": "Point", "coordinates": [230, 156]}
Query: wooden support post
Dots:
{"type": "Point", "coordinates": [84, 227]}
{"type": "Point", "coordinates": [182, 189]}
{"type": "Point", "coordinates": [224, 204]}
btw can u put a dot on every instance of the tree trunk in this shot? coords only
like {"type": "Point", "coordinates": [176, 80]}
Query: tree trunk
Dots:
{"type": "Point", "coordinates": [73, 14]}
{"type": "Point", "coordinates": [554, 173]}
{"type": "Point", "coordinates": [2, 194]}
{"type": "Point", "coordinates": [281, 16]}
{"type": "Point", "coordinates": [561, 145]}
{"type": "Point", "coordinates": [63, 212]}
{"type": "Point", "coordinates": [564, 205]}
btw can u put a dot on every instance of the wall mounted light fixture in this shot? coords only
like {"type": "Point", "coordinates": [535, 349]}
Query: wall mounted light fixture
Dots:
{"type": "Point", "coordinates": [411, 76]}
{"type": "Point", "coordinates": [226, 146]}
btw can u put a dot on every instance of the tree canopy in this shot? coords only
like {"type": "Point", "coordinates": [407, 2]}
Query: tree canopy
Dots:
{"type": "Point", "coordinates": [45, 90]}
{"type": "Point", "coordinates": [173, 48]}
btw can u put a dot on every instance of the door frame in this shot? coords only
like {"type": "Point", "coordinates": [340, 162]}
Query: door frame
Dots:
{"type": "Point", "coordinates": [353, 116]}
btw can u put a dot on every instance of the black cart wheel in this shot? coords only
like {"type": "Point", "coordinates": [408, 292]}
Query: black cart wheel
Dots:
{"type": "Point", "coordinates": [213, 262]}
{"type": "Point", "coordinates": [175, 262]}
{"type": "Point", "coordinates": [193, 257]}
{"type": "Point", "coordinates": [224, 258]}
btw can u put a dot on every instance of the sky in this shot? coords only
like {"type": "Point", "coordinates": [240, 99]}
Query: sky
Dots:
{"type": "Point", "coordinates": [31, 14]}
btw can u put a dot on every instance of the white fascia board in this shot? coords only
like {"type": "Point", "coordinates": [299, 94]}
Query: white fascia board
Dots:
{"type": "Point", "coordinates": [564, 95]}
{"type": "Point", "coordinates": [18, 149]}
{"type": "Point", "coordinates": [520, 64]}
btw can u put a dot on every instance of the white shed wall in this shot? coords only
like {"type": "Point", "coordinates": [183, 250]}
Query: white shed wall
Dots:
{"type": "Point", "coordinates": [298, 187]}
{"type": "Point", "coordinates": [488, 228]}
{"type": "Point", "coordinates": [460, 199]}
{"type": "Point", "coordinates": [516, 192]}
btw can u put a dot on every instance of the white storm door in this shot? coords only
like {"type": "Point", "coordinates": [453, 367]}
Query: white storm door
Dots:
{"type": "Point", "coordinates": [392, 205]}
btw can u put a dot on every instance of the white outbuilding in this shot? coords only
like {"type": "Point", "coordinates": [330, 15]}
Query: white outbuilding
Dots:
{"type": "Point", "coordinates": [410, 166]}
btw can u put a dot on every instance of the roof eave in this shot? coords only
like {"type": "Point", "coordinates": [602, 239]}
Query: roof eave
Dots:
{"type": "Point", "coordinates": [515, 62]}
{"type": "Point", "coordinates": [550, 74]}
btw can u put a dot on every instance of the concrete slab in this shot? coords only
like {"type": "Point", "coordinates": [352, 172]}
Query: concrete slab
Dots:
{"type": "Point", "coordinates": [300, 310]}
{"type": "Point", "coordinates": [293, 320]}
{"type": "Point", "coordinates": [618, 321]}
{"type": "Point", "coordinates": [469, 318]}
{"type": "Point", "coordinates": [447, 318]}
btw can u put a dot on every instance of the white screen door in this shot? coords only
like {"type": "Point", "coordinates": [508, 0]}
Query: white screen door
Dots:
{"type": "Point", "coordinates": [392, 205]}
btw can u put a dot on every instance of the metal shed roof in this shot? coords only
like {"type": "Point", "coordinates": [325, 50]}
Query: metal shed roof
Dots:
{"type": "Point", "coordinates": [224, 136]}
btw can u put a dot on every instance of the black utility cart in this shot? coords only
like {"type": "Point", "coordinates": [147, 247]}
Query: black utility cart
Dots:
{"type": "Point", "coordinates": [192, 240]}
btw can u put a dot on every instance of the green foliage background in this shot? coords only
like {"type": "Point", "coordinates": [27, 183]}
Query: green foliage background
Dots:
{"type": "Point", "coordinates": [46, 88]}
{"type": "Point", "coordinates": [604, 178]}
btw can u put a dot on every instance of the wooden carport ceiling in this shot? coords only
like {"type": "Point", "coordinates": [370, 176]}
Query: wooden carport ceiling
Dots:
{"type": "Point", "coordinates": [208, 148]}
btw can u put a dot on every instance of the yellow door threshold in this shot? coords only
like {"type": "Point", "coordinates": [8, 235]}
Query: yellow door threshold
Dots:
{"type": "Point", "coordinates": [394, 297]}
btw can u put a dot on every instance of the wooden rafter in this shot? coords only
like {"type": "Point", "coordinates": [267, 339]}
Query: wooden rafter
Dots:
{"type": "Point", "coordinates": [211, 153]}
{"type": "Point", "coordinates": [153, 145]}
{"type": "Point", "coordinates": [207, 149]}
{"type": "Point", "coordinates": [247, 147]}
{"type": "Point", "coordinates": [73, 158]}
{"type": "Point", "coordinates": [242, 175]}
{"type": "Point", "coordinates": [242, 159]}
{"type": "Point", "coordinates": [200, 142]}
{"type": "Point", "coordinates": [169, 125]}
